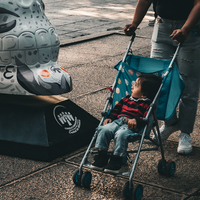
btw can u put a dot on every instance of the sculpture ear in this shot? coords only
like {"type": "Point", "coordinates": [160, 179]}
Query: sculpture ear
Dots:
{"type": "Point", "coordinates": [25, 3]}
{"type": "Point", "coordinates": [41, 4]}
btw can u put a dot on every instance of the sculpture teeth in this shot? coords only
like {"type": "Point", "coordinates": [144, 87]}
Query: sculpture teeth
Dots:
{"type": "Point", "coordinates": [30, 48]}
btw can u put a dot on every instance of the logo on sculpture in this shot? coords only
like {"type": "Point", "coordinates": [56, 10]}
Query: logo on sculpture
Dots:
{"type": "Point", "coordinates": [66, 120]}
{"type": "Point", "coordinates": [29, 48]}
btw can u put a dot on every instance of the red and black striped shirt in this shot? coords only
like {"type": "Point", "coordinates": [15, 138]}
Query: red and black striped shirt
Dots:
{"type": "Point", "coordinates": [131, 108]}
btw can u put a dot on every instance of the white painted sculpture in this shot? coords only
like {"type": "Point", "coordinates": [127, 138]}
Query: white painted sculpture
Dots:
{"type": "Point", "coordinates": [29, 48]}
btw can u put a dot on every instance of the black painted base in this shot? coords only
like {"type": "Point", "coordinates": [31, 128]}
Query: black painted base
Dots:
{"type": "Point", "coordinates": [43, 130]}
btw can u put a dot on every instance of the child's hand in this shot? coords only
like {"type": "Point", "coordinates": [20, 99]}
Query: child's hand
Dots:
{"type": "Point", "coordinates": [106, 121]}
{"type": "Point", "coordinates": [131, 123]}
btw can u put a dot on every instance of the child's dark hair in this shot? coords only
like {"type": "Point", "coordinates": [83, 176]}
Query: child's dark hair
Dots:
{"type": "Point", "coordinates": [149, 85]}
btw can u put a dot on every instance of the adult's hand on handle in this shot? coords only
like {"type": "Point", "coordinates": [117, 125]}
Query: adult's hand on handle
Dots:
{"type": "Point", "coordinates": [129, 29]}
{"type": "Point", "coordinates": [179, 35]}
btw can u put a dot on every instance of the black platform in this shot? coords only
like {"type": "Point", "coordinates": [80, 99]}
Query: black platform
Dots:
{"type": "Point", "coordinates": [43, 128]}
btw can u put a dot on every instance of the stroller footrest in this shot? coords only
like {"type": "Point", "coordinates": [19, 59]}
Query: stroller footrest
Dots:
{"type": "Point", "coordinates": [87, 164]}
{"type": "Point", "coordinates": [127, 174]}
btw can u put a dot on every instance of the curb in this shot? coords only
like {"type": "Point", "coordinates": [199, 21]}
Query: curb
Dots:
{"type": "Point", "coordinates": [94, 36]}
{"type": "Point", "coordinates": [89, 37]}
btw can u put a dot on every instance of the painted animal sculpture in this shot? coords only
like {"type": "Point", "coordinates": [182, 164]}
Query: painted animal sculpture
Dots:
{"type": "Point", "coordinates": [29, 48]}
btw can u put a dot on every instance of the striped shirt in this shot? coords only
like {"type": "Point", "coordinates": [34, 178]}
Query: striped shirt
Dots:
{"type": "Point", "coordinates": [131, 108]}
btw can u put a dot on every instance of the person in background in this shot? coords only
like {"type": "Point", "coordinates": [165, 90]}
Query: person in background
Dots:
{"type": "Point", "coordinates": [152, 22]}
{"type": "Point", "coordinates": [178, 21]}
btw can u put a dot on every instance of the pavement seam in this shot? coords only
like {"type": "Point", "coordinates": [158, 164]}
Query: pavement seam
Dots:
{"type": "Point", "coordinates": [87, 38]}
{"type": "Point", "coordinates": [89, 93]}
{"type": "Point", "coordinates": [196, 193]}
{"type": "Point", "coordinates": [105, 58]}
{"type": "Point", "coordinates": [29, 175]}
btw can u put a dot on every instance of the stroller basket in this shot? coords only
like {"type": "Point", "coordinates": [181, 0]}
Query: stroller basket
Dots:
{"type": "Point", "coordinates": [162, 108]}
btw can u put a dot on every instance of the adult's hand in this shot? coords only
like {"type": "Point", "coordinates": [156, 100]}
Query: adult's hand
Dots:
{"type": "Point", "coordinates": [179, 35]}
{"type": "Point", "coordinates": [129, 29]}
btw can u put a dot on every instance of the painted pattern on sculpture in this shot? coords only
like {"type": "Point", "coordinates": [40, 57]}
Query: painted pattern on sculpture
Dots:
{"type": "Point", "coordinates": [29, 48]}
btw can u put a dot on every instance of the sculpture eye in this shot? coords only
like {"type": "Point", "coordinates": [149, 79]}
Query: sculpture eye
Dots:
{"type": "Point", "coordinates": [45, 73]}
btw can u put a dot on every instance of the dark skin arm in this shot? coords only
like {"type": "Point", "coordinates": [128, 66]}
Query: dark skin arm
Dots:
{"type": "Point", "coordinates": [140, 11]}
{"type": "Point", "coordinates": [180, 35]}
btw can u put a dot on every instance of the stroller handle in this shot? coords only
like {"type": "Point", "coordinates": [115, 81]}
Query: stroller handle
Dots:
{"type": "Point", "coordinates": [175, 54]}
{"type": "Point", "coordinates": [129, 46]}
{"type": "Point", "coordinates": [133, 37]}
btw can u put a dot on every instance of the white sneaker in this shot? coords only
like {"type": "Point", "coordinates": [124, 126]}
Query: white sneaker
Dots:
{"type": "Point", "coordinates": [165, 132]}
{"type": "Point", "coordinates": [185, 144]}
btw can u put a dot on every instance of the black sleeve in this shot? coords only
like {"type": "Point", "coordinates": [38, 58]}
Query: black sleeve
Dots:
{"type": "Point", "coordinates": [116, 110]}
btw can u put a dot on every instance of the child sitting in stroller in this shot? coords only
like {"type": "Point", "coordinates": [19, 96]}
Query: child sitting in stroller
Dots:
{"type": "Point", "coordinates": [124, 120]}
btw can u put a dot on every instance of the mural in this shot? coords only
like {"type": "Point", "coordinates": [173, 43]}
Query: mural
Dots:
{"type": "Point", "coordinates": [29, 48]}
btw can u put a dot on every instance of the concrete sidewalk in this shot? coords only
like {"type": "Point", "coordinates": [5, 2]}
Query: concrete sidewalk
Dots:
{"type": "Point", "coordinates": [81, 20]}
{"type": "Point", "coordinates": [90, 60]}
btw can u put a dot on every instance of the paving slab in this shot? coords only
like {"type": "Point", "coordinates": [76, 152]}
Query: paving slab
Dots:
{"type": "Point", "coordinates": [92, 43]}
{"type": "Point", "coordinates": [79, 18]}
{"type": "Point", "coordinates": [91, 64]}
{"type": "Point", "coordinates": [55, 183]}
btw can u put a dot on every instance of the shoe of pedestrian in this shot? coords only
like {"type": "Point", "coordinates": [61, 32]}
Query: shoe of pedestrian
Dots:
{"type": "Point", "coordinates": [165, 132]}
{"type": "Point", "coordinates": [185, 144]}
{"type": "Point", "coordinates": [114, 165]}
{"type": "Point", "coordinates": [151, 22]}
{"type": "Point", "coordinates": [101, 160]}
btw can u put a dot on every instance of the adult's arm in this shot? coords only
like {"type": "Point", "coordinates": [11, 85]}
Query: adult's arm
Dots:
{"type": "Point", "coordinates": [140, 11]}
{"type": "Point", "coordinates": [180, 35]}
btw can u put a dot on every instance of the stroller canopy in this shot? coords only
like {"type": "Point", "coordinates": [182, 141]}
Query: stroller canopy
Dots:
{"type": "Point", "coordinates": [172, 83]}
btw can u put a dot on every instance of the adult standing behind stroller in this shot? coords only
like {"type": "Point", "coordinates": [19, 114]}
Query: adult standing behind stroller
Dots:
{"type": "Point", "coordinates": [180, 21]}
{"type": "Point", "coordinates": [152, 22]}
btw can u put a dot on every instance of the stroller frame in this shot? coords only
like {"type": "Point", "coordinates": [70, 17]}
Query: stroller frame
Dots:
{"type": "Point", "coordinates": [166, 168]}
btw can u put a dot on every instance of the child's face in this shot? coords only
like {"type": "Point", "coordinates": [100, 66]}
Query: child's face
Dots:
{"type": "Point", "coordinates": [136, 89]}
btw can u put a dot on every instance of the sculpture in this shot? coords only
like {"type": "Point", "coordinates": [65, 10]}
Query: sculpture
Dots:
{"type": "Point", "coordinates": [29, 48]}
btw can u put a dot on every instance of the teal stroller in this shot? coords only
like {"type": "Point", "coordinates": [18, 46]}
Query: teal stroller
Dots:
{"type": "Point", "coordinates": [162, 108]}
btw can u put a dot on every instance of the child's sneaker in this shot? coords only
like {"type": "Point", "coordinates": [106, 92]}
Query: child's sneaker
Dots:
{"type": "Point", "coordinates": [114, 165]}
{"type": "Point", "coordinates": [185, 144]}
{"type": "Point", "coordinates": [166, 131]}
{"type": "Point", "coordinates": [101, 160]}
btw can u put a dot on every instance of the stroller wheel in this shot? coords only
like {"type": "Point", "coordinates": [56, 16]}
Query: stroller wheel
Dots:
{"type": "Point", "coordinates": [137, 192]}
{"type": "Point", "coordinates": [86, 179]}
{"type": "Point", "coordinates": [126, 191]}
{"type": "Point", "coordinates": [170, 168]}
{"type": "Point", "coordinates": [76, 178]}
{"type": "Point", "coordinates": [161, 167]}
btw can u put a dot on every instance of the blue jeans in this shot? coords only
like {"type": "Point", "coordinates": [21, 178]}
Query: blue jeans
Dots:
{"type": "Point", "coordinates": [117, 130]}
{"type": "Point", "coordinates": [188, 62]}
